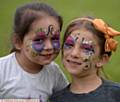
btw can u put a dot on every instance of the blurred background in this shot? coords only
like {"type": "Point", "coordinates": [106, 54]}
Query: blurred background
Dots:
{"type": "Point", "coordinates": [69, 9]}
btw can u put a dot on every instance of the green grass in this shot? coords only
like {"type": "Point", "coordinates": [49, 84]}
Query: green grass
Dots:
{"type": "Point", "coordinates": [69, 9]}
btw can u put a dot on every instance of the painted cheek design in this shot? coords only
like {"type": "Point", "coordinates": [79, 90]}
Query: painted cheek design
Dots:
{"type": "Point", "coordinates": [37, 46]}
{"type": "Point", "coordinates": [56, 41]}
{"type": "Point", "coordinates": [70, 41]}
{"type": "Point", "coordinates": [42, 34]}
{"type": "Point", "coordinates": [38, 42]}
{"type": "Point", "coordinates": [87, 47]}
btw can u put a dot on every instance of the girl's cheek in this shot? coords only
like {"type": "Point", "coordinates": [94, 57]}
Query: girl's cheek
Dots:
{"type": "Point", "coordinates": [85, 56]}
{"type": "Point", "coordinates": [67, 52]}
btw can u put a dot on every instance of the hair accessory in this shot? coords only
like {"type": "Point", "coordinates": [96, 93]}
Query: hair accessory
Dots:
{"type": "Point", "coordinates": [99, 24]}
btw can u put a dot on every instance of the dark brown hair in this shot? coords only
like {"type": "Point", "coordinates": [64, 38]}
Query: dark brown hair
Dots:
{"type": "Point", "coordinates": [27, 14]}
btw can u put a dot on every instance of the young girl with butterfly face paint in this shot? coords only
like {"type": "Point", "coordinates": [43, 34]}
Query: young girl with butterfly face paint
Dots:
{"type": "Point", "coordinates": [87, 46]}
{"type": "Point", "coordinates": [29, 71]}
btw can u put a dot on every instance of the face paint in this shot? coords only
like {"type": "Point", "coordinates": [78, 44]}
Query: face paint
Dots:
{"type": "Point", "coordinates": [41, 34]}
{"type": "Point", "coordinates": [70, 41]}
{"type": "Point", "coordinates": [56, 41]}
{"type": "Point", "coordinates": [87, 46]}
{"type": "Point", "coordinates": [50, 30]}
{"type": "Point", "coordinates": [37, 46]}
{"type": "Point", "coordinates": [46, 32]}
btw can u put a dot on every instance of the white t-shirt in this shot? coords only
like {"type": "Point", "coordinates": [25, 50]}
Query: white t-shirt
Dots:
{"type": "Point", "coordinates": [17, 83]}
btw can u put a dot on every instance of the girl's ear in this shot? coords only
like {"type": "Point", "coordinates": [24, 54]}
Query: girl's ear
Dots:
{"type": "Point", "coordinates": [16, 42]}
{"type": "Point", "coordinates": [104, 59]}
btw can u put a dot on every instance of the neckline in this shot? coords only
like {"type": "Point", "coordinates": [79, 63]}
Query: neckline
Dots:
{"type": "Point", "coordinates": [25, 72]}
{"type": "Point", "coordinates": [97, 90]}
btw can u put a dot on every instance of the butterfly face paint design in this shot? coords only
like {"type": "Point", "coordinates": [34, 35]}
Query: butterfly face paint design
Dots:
{"type": "Point", "coordinates": [70, 42]}
{"type": "Point", "coordinates": [56, 41]}
{"type": "Point", "coordinates": [38, 42]}
{"type": "Point", "coordinates": [87, 47]}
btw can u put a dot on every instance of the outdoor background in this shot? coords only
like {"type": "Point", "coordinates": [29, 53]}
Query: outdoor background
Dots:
{"type": "Point", "coordinates": [69, 9]}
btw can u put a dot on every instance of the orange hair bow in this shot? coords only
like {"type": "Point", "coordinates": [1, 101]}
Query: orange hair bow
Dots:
{"type": "Point", "coordinates": [99, 24]}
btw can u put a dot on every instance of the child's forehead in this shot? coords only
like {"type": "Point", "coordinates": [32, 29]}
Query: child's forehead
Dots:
{"type": "Point", "coordinates": [45, 23]}
{"type": "Point", "coordinates": [82, 33]}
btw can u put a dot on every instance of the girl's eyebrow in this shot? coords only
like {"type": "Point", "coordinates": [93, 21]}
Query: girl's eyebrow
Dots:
{"type": "Point", "coordinates": [50, 30]}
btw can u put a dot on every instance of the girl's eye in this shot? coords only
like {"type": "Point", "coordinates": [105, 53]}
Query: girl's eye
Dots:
{"type": "Point", "coordinates": [39, 40]}
{"type": "Point", "coordinates": [87, 47]}
{"type": "Point", "coordinates": [55, 38]}
{"type": "Point", "coordinates": [69, 42]}
{"type": "Point", "coordinates": [57, 33]}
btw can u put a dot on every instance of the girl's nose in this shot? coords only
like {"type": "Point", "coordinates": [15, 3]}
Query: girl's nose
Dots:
{"type": "Point", "coordinates": [75, 52]}
{"type": "Point", "coordinates": [48, 45]}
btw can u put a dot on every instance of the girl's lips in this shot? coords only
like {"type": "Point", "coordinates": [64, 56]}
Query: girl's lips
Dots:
{"type": "Point", "coordinates": [47, 56]}
{"type": "Point", "coordinates": [74, 62]}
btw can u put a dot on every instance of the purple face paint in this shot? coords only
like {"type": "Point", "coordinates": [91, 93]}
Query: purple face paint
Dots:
{"type": "Point", "coordinates": [87, 46]}
{"type": "Point", "coordinates": [70, 42]}
{"type": "Point", "coordinates": [56, 40]}
{"type": "Point", "coordinates": [37, 46]}
{"type": "Point", "coordinates": [39, 41]}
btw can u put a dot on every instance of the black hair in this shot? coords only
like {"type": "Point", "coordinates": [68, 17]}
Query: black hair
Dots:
{"type": "Point", "coordinates": [27, 14]}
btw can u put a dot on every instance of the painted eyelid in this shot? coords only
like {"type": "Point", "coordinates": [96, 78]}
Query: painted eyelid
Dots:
{"type": "Point", "coordinates": [87, 47]}
{"type": "Point", "coordinates": [69, 43]}
{"type": "Point", "coordinates": [38, 40]}
{"type": "Point", "coordinates": [56, 32]}
{"type": "Point", "coordinates": [55, 37]}
{"type": "Point", "coordinates": [41, 33]}
{"type": "Point", "coordinates": [42, 36]}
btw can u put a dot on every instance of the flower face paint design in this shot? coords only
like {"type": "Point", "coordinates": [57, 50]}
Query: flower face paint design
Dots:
{"type": "Point", "coordinates": [87, 47]}
{"type": "Point", "coordinates": [38, 42]}
{"type": "Point", "coordinates": [56, 40]}
{"type": "Point", "coordinates": [70, 42]}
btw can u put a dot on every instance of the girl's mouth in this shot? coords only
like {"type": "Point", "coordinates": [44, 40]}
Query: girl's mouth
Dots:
{"type": "Point", "coordinates": [74, 62]}
{"type": "Point", "coordinates": [46, 56]}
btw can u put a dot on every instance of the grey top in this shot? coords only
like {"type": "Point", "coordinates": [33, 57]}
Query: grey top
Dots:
{"type": "Point", "coordinates": [107, 92]}
{"type": "Point", "coordinates": [17, 83]}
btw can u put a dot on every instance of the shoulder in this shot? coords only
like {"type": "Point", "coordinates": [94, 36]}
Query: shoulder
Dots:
{"type": "Point", "coordinates": [111, 85]}
{"type": "Point", "coordinates": [60, 94]}
{"type": "Point", "coordinates": [113, 89]}
{"type": "Point", "coordinates": [53, 67]}
{"type": "Point", "coordinates": [6, 59]}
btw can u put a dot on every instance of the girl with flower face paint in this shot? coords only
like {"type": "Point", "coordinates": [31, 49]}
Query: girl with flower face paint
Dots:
{"type": "Point", "coordinates": [87, 46]}
{"type": "Point", "coordinates": [29, 71]}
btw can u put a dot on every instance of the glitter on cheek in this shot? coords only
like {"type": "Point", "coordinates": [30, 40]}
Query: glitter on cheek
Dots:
{"type": "Point", "coordinates": [87, 47]}
{"type": "Point", "coordinates": [69, 42]}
